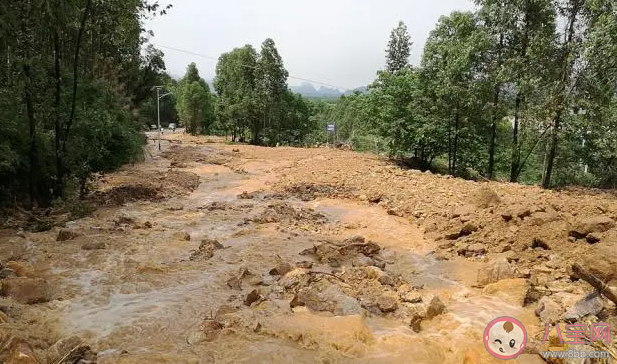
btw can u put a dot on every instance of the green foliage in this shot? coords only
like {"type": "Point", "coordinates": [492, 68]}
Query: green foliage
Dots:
{"type": "Point", "coordinates": [195, 104]}
{"type": "Point", "coordinates": [74, 77]}
{"type": "Point", "coordinates": [398, 51]}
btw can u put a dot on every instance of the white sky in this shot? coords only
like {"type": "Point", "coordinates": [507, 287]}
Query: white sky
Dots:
{"type": "Point", "coordinates": [339, 42]}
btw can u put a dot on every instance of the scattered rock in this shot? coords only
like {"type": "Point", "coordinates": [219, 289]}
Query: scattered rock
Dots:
{"type": "Point", "coordinates": [548, 310]}
{"type": "Point", "coordinates": [7, 273]}
{"type": "Point", "coordinates": [468, 229]}
{"type": "Point", "coordinates": [593, 238]}
{"type": "Point", "coordinates": [361, 261]}
{"type": "Point", "coordinates": [255, 280]}
{"type": "Point", "coordinates": [485, 197]}
{"type": "Point", "coordinates": [387, 280]}
{"type": "Point", "coordinates": [434, 306]}
{"type": "Point", "coordinates": [182, 235]}
{"type": "Point", "coordinates": [597, 224]}
{"type": "Point", "coordinates": [65, 234]}
{"type": "Point", "coordinates": [252, 297]}
{"type": "Point", "coordinates": [27, 290]}
{"type": "Point", "coordinates": [94, 245]}
{"type": "Point", "coordinates": [601, 261]}
{"type": "Point", "coordinates": [281, 269]}
{"type": "Point", "coordinates": [387, 303]}
{"type": "Point", "coordinates": [472, 250]}
{"type": "Point", "coordinates": [324, 296]}
{"type": "Point", "coordinates": [464, 210]}
{"type": "Point", "coordinates": [234, 283]}
{"type": "Point", "coordinates": [206, 249]}
{"type": "Point", "coordinates": [512, 291]}
{"type": "Point", "coordinates": [208, 331]}
{"type": "Point", "coordinates": [539, 243]}
{"type": "Point", "coordinates": [411, 297]}
{"type": "Point", "coordinates": [591, 304]}
{"type": "Point", "coordinates": [497, 271]}
{"type": "Point", "coordinates": [304, 264]}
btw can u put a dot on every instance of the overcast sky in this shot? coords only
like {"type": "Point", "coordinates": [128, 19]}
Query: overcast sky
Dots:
{"type": "Point", "coordinates": [339, 42]}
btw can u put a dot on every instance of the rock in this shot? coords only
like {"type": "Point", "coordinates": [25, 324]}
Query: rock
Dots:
{"type": "Point", "coordinates": [601, 261]}
{"type": "Point", "coordinates": [255, 280]}
{"type": "Point", "coordinates": [324, 296]}
{"type": "Point", "coordinates": [472, 250]}
{"type": "Point", "coordinates": [281, 269]}
{"type": "Point", "coordinates": [93, 245]}
{"type": "Point", "coordinates": [206, 249]}
{"type": "Point", "coordinates": [234, 283]}
{"type": "Point", "coordinates": [434, 306]}
{"type": "Point", "coordinates": [522, 212]}
{"type": "Point", "coordinates": [597, 224]}
{"type": "Point", "coordinates": [182, 235]}
{"type": "Point", "coordinates": [593, 238]}
{"type": "Point", "coordinates": [208, 331]}
{"type": "Point", "coordinates": [591, 304]}
{"type": "Point", "coordinates": [7, 273]}
{"type": "Point", "coordinates": [464, 210]}
{"type": "Point", "coordinates": [224, 310]}
{"type": "Point", "coordinates": [416, 318]}
{"type": "Point", "coordinates": [65, 234]}
{"type": "Point", "coordinates": [512, 291]}
{"type": "Point", "coordinates": [485, 197]}
{"type": "Point", "coordinates": [548, 310]}
{"type": "Point", "coordinates": [539, 243]}
{"type": "Point", "coordinates": [387, 303]}
{"type": "Point", "coordinates": [540, 218]}
{"type": "Point", "coordinates": [571, 239]}
{"type": "Point", "coordinates": [411, 297]}
{"type": "Point", "coordinates": [468, 229]}
{"type": "Point", "coordinates": [211, 329]}
{"type": "Point", "coordinates": [21, 353]}
{"type": "Point", "coordinates": [304, 264]}
{"type": "Point", "coordinates": [387, 280]}
{"type": "Point", "coordinates": [497, 271]}
{"type": "Point", "coordinates": [27, 290]}
{"type": "Point", "coordinates": [507, 215]}
{"type": "Point", "coordinates": [252, 297]}
{"type": "Point", "coordinates": [361, 261]}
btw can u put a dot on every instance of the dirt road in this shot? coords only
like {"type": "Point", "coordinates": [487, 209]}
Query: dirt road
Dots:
{"type": "Point", "coordinates": [213, 253]}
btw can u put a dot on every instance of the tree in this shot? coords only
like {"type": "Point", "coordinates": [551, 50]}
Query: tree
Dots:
{"type": "Point", "coordinates": [235, 84]}
{"type": "Point", "coordinates": [398, 51]}
{"type": "Point", "coordinates": [271, 86]}
{"type": "Point", "coordinates": [195, 103]}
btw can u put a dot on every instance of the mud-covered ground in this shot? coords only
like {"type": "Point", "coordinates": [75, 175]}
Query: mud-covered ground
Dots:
{"type": "Point", "coordinates": [215, 253]}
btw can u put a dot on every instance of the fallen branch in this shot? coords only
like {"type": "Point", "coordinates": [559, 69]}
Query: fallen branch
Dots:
{"type": "Point", "coordinates": [595, 282]}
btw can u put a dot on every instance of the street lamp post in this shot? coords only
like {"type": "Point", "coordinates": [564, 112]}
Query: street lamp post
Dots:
{"type": "Point", "coordinates": [158, 111]}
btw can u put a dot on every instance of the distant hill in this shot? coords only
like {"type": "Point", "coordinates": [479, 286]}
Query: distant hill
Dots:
{"type": "Point", "coordinates": [307, 89]}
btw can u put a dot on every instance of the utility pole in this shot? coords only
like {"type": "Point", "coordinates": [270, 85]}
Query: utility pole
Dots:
{"type": "Point", "coordinates": [158, 115]}
{"type": "Point", "coordinates": [158, 111]}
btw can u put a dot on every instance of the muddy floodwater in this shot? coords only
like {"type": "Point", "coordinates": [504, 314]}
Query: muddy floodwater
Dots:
{"type": "Point", "coordinates": [238, 271]}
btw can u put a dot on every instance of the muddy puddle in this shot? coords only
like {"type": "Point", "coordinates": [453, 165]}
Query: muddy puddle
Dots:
{"type": "Point", "coordinates": [145, 297]}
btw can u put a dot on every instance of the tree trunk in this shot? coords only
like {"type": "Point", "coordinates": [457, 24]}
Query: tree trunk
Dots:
{"type": "Point", "coordinates": [455, 144]}
{"type": "Point", "coordinates": [32, 125]}
{"type": "Point", "coordinates": [516, 150]}
{"type": "Point", "coordinates": [80, 34]}
{"type": "Point", "coordinates": [561, 97]}
{"type": "Point", "coordinates": [552, 151]}
{"type": "Point", "coordinates": [491, 150]}
{"type": "Point", "coordinates": [58, 126]}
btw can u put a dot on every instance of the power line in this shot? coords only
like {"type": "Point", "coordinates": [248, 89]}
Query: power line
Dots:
{"type": "Point", "coordinates": [216, 59]}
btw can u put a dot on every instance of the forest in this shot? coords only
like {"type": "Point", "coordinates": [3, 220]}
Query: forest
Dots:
{"type": "Point", "coordinates": [517, 90]}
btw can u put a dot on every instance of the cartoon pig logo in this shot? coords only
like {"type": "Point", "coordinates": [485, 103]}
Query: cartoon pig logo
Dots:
{"type": "Point", "coordinates": [505, 338]}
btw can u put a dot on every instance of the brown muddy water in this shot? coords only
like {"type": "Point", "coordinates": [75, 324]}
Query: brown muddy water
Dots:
{"type": "Point", "coordinates": [143, 300]}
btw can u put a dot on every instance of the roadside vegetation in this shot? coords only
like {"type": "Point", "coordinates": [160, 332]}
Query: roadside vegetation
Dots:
{"type": "Point", "coordinates": [520, 91]}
